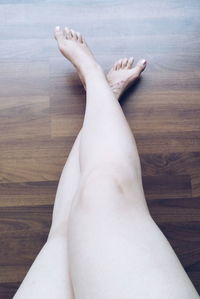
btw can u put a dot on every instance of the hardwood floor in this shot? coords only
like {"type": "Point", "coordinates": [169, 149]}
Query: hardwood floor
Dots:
{"type": "Point", "coordinates": [42, 105]}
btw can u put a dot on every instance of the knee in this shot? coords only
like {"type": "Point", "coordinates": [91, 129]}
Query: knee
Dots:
{"type": "Point", "coordinates": [101, 179]}
{"type": "Point", "coordinates": [110, 186]}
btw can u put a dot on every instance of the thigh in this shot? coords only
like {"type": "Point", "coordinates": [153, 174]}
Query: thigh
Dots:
{"type": "Point", "coordinates": [117, 251]}
{"type": "Point", "coordinates": [48, 276]}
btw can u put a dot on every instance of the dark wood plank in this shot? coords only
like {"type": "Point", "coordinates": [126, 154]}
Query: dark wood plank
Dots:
{"type": "Point", "coordinates": [7, 290]}
{"type": "Point", "coordinates": [26, 194]}
{"type": "Point", "coordinates": [167, 186]}
{"type": "Point", "coordinates": [24, 231]}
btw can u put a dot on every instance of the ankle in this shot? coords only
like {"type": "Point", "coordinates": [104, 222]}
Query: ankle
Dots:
{"type": "Point", "coordinates": [92, 71]}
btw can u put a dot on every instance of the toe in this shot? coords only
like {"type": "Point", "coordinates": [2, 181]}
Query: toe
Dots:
{"type": "Point", "coordinates": [75, 36]}
{"type": "Point", "coordinates": [82, 39]}
{"type": "Point", "coordinates": [115, 66]}
{"type": "Point", "coordinates": [130, 62]}
{"type": "Point", "coordinates": [124, 62]}
{"type": "Point", "coordinates": [78, 37]}
{"type": "Point", "coordinates": [70, 34]}
{"type": "Point", "coordinates": [67, 33]}
{"type": "Point", "coordinates": [73, 33]}
{"type": "Point", "coordinates": [140, 66]}
{"type": "Point", "coordinates": [119, 64]}
{"type": "Point", "coordinates": [58, 33]}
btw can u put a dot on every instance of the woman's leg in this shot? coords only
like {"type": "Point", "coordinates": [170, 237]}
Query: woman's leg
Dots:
{"type": "Point", "coordinates": [115, 248]}
{"type": "Point", "coordinates": [54, 255]}
{"type": "Point", "coordinates": [120, 76]}
{"type": "Point", "coordinates": [49, 276]}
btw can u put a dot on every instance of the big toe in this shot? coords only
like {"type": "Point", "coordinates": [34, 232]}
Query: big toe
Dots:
{"type": "Point", "coordinates": [58, 33]}
{"type": "Point", "coordinates": [140, 66]}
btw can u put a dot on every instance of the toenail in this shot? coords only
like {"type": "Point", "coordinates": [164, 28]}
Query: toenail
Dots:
{"type": "Point", "coordinates": [57, 28]}
{"type": "Point", "coordinates": [144, 61]}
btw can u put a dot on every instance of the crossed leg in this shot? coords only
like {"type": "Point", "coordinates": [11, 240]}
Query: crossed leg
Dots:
{"type": "Point", "coordinates": [112, 224]}
{"type": "Point", "coordinates": [115, 248]}
{"type": "Point", "coordinates": [49, 274]}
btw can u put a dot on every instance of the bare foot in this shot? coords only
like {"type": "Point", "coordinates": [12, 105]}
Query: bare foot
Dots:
{"type": "Point", "coordinates": [73, 46]}
{"type": "Point", "coordinates": [122, 75]}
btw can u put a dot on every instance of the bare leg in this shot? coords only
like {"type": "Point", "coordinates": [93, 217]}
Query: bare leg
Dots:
{"type": "Point", "coordinates": [49, 276]}
{"type": "Point", "coordinates": [120, 77]}
{"type": "Point", "coordinates": [115, 248]}
{"type": "Point", "coordinates": [41, 281]}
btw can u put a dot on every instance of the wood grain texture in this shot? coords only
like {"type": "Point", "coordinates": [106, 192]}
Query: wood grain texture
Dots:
{"type": "Point", "coordinates": [42, 105]}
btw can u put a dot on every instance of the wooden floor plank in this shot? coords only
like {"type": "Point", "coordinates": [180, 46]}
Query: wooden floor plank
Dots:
{"type": "Point", "coordinates": [27, 193]}
{"type": "Point", "coordinates": [33, 169]}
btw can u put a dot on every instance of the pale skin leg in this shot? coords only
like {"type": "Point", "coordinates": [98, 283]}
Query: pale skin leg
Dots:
{"type": "Point", "coordinates": [49, 276]}
{"type": "Point", "coordinates": [41, 281]}
{"type": "Point", "coordinates": [115, 248]}
{"type": "Point", "coordinates": [54, 284]}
